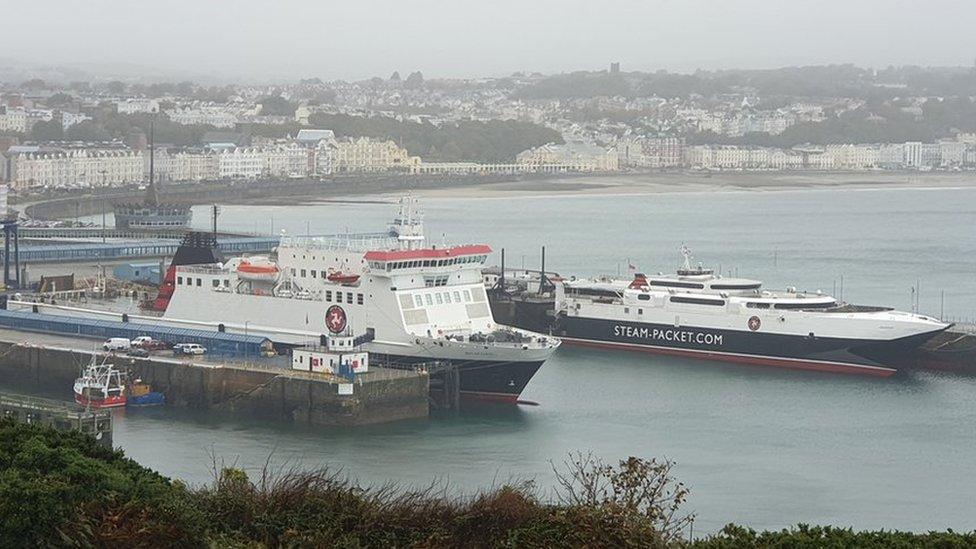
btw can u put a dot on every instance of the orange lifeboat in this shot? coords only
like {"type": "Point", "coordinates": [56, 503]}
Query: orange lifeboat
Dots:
{"type": "Point", "coordinates": [257, 270]}
{"type": "Point", "coordinates": [339, 277]}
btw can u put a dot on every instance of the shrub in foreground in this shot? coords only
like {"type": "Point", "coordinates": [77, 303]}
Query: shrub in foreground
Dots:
{"type": "Point", "coordinates": [63, 489]}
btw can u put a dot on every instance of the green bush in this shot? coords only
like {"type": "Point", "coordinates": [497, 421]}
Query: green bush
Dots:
{"type": "Point", "coordinates": [64, 488]}
{"type": "Point", "coordinates": [819, 537]}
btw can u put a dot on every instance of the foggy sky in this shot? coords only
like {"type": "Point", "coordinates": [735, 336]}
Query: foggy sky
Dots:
{"type": "Point", "coordinates": [354, 39]}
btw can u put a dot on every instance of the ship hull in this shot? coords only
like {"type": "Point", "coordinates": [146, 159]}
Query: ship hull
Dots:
{"type": "Point", "coordinates": [824, 354]}
{"type": "Point", "coordinates": [100, 402]}
{"type": "Point", "coordinates": [479, 380]}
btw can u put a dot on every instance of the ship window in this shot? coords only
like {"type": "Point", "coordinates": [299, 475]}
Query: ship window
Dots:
{"type": "Point", "coordinates": [697, 301]}
{"type": "Point", "coordinates": [179, 280]}
{"type": "Point", "coordinates": [359, 299]}
{"type": "Point", "coordinates": [467, 295]}
{"type": "Point", "coordinates": [216, 283]}
{"type": "Point", "coordinates": [804, 305]}
{"type": "Point", "coordinates": [447, 297]}
{"type": "Point", "coordinates": [227, 283]}
{"type": "Point", "coordinates": [322, 273]}
{"type": "Point", "coordinates": [328, 295]}
{"type": "Point", "coordinates": [199, 282]}
{"type": "Point", "coordinates": [626, 310]}
{"type": "Point", "coordinates": [303, 273]}
{"type": "Point", "coordinates": [644, 297]}
{"type": "Point", "coordinates": [757, 305]}
{"type": "Point", "coordinates": [418, 300]}
{"type": "Point", "coordinates": [439, 299]}
{"type": "Point", "coordinates": [676, 284]}
{"type": "Point", "coordinates": [430, 300]}
{"type": "Point", "coordinates": [292, 271]}
{"type": "Point", "coordinates": [640, 311]}
{"type": "Point", "coordinates": [457, 296]}
{"type": "Point", "coordinates": [314, 273]}
{"type": "Point", "coordinates": [735, 286]}
{"type": "Point", "coordinates": [349, 297]}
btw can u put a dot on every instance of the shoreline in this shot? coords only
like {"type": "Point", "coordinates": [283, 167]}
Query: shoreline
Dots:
{"type": "Point", "coordinates": [643, 184]}
{"type": "Point", "coordinates": [578, 185]}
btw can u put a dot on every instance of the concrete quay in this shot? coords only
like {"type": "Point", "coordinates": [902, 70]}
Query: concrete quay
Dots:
{"type": "Point", "coordinates": [50, 363]}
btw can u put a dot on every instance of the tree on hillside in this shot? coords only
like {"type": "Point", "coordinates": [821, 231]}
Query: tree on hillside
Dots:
{"type": "Point", "coordinates": [87, 131]}
{"type": "Point", "coordinates": [115, 87]}
{"type": "Point", "coordinates": [46, 131]}
{"type": "Point", "coordinates": [275, 105]}
{"type": "Point", "coordinates": [59, 99]}
{"type": "Point", "coordinates": [35, 84]}
{"type": "Point", "coordinates": [414, 80]}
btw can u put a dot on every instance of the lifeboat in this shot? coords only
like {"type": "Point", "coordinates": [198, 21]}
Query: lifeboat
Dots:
{"type": "Point", "coordinates": [257, 270]}
{"type": "Point", "coordinates": [339, 277]}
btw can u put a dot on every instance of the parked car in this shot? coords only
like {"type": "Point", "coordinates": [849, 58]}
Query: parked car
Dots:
{"type": "Point", "coordinates": [138, 352]}
{"type": "Point", "coordinates": [158, 345]}
{"type": "Point", "coordinates": [116, 344]}
{"type": "Point", "coordinates": [149, 343]}
{"type": "Point", "coordinates": [189, 349]}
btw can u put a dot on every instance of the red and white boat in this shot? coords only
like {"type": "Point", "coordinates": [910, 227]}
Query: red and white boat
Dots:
{"type": "Point", "coordinates": [258, 269]}
{"type": "Point", "coordinates": [339, 277]}
{"type": "Point", "coordinates": [100, 386]}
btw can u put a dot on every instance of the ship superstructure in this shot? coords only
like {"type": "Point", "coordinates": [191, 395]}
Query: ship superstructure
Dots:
{"type": "Point", "coordinates": [419, 303]}
{"type": "Point", "coordinates": [699, 314]}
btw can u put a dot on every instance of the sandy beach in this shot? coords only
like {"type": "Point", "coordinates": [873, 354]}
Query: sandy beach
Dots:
{"type": "Point", "coordinates": [671, 182]}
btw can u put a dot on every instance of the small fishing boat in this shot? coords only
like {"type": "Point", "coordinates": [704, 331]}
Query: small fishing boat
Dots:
{"type": "Point", "coordinates": [100, 386]}
{"type": "Point", "coordinates": [141, 394]}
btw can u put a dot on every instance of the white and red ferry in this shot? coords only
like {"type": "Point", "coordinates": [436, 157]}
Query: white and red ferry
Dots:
{"type": "Point", "coordinates": [699, 314]}
{"type": "Point", "coordinates": [420, 303]}
{"type": "Point", "coordinates": [100, 386]}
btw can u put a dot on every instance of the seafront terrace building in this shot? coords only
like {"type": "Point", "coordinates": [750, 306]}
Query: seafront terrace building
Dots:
{"type": "Point", "coordinates": [60, 168]}
{"type": "Point", "coordinates": [570, 157]}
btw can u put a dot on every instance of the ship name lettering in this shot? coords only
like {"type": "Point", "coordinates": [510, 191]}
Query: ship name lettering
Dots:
{"type": "Point", "coordinates": [669, 334]}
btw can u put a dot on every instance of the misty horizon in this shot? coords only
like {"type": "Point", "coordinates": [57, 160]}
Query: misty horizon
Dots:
{"type": "Point", "coordinates": [253, 43]}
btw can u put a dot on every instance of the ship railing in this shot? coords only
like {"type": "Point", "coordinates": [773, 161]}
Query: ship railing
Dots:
{"type": "Point", "coordinates": [364, 241]}
{"type": "Point", "coordinates": [202, 269]}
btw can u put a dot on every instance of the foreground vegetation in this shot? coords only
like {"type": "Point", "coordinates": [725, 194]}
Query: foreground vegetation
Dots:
{"type": "Point", "coordinates": [63, 489]}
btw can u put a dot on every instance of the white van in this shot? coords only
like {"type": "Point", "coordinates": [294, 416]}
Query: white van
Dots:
{"type": "Point", "coordinates": [116, 344]}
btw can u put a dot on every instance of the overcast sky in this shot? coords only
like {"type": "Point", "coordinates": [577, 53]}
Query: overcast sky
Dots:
{"type": "Point", "coordinates": [353, 39]}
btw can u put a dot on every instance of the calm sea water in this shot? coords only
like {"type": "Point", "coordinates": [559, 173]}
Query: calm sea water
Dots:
{"type": "Point", "coordinates": [757, 446]}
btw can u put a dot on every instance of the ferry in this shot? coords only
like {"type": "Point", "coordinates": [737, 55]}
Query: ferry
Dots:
{"type": "Point", "coordinates": [697, 313]}
{"type": "Point", "coordinates": [418, 303]}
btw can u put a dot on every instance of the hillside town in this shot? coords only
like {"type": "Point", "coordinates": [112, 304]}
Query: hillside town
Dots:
{"type": "Point", "coordinates": [96, 134]}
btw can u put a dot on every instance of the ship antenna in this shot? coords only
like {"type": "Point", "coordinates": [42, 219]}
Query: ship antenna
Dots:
{"type": "Point", "coordinates": [687, 255]}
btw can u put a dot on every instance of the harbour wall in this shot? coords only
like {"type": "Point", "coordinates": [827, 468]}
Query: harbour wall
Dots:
{"type": "Point", "coordinates": [298, 397]}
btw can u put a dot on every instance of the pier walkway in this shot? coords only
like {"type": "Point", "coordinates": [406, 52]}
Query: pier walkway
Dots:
{"type": "Point", "coordinates": [93, 251]}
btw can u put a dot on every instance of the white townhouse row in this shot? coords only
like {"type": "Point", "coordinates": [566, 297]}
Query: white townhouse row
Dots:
{"type": "Point", "coordinates": [95, 167]}
{"type": "Point", "coordinates": [908, 155]}
{"type": "Point", "coordinates": [569, 157]}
